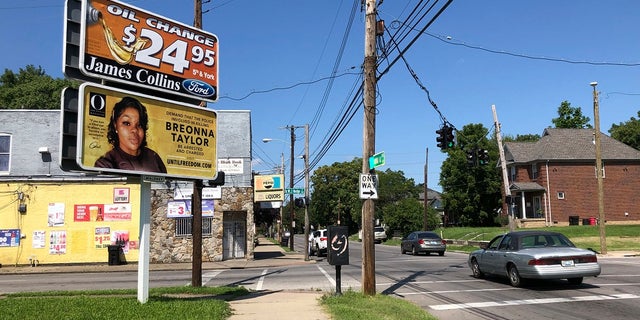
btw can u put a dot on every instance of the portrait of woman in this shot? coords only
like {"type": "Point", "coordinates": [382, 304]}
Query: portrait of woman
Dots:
{"type": "Point", "coordinates": [127, 135]}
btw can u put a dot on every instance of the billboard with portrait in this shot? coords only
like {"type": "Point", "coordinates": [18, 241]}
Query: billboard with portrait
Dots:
{"type": "Point", "coordinates": [125, 132]}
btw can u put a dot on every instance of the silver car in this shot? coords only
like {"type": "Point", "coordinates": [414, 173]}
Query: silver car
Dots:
{"type": "Point", "coordinates": [423, 241]}
{"type": "Point", "coordinates": [523, 255]}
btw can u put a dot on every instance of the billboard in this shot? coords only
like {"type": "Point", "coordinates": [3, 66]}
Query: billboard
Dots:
{"type": "Point", "coordinates": [125, 132]}
{"type": "Point", "coordinates": [126, 44]}
{"type": "Point", "coordinates": [268, 187]}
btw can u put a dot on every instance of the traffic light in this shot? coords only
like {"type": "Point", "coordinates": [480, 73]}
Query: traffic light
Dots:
{"type": "Point", "coordinates": [448, 137]}
{"type": "Point", "coordinates": [483, 157]}
{"type": "Point", "coordinates": [471, 157]}
{"type": "Point", "coordinates": [441, 138]}
{"type": "Point", "coordinates": [299, 202]}
{"type": "Point", "coordinates": [445, 137]}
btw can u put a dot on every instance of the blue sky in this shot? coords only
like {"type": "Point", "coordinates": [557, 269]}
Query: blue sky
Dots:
{"type": "Point", "coordinates": [524, 57]}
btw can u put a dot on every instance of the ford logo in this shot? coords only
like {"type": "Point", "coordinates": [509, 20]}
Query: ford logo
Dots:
{"type": "Point", "coordinates": [198, 88]}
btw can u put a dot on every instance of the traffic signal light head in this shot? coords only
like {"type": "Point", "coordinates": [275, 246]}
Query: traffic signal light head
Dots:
{"type": "Point", "coordinates": [448, 137]}
{"type": "Point", "coordinates": [483, 157]}
{"type": "Point", "coordinates": [441, 138]}
{"type": "Point", "coordinates": [445, 138]}
{"type": "Point", "coordinates": [471, 157]}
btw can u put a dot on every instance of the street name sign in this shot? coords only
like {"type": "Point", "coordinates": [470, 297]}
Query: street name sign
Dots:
{"type": "Point", "coordinates": [368, 186]}
{"type": "Point", "coordinates": [376, 160]}
{"type": "Point", "coordinates": [294, 191]}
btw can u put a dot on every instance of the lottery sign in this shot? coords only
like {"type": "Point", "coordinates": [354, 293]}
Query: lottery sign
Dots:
{"type": "Point", "coordinates": [130, 45]}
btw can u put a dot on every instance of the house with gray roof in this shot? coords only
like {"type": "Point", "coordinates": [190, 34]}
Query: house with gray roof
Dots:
{"type": "Point", "coordinates": [553, 180]}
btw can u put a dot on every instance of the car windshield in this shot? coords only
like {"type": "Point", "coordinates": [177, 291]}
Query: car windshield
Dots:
{"type": "Point", "coordinates": [545, 240]}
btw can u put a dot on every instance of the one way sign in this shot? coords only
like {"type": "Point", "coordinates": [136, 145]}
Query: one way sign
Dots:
{"type": "Point", "coordinates": [368, 186]}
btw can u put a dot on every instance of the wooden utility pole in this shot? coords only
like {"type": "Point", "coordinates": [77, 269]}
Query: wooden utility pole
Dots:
{"type": "Point", "coordinates": [503, 166]}
{"type": "Point", "coordinates": [425, 220]}
{"type": "Point", "coordinates": [368, 150]}
{"type": "Point", "coordinates": [306, 190]}
{"type": "Point", "coordinates": [291, 204]}
{"type": "Point", "coordinates": [196, 198]}
{"type": "Point", "coordinates": [596, 121]}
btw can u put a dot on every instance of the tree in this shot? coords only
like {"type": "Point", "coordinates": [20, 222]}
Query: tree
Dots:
{"type": "Point", "coordinates": [570, 117]}
{"type": "Point", "coordinates": [471, 195]}
{"type": "Point", "coordinates": [336, 197]}
{"type": "Point", "coordinates": [627, 132]}
{"type": "Point", "coordinates": [521, 138]}
{"type": "Point", "coordinates": [31, 88]}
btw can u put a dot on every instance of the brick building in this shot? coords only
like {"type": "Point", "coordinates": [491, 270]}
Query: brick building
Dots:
{"type": "Point", "coordinates": [553, 180]}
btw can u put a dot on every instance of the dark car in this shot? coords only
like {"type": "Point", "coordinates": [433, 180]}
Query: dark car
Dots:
{"type": "Point", "coordinates": [423, 241]}
{"type": "Point", "coordinates": [523, 255]}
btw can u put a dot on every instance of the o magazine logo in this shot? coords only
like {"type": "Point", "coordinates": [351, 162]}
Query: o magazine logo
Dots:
{"type": "Point", "coordinates": [97, 104]}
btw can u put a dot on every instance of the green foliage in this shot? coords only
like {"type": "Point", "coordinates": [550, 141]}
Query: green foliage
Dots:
{"type": "Point", "coordinates": [355, 305]}
{"type": "Point", "coordinates": [570, 117]}
{"type": "Point", "coordinates": [336, 195]}
{"type": "Point", "coordinates": [471, 195]}
{"type": "Point", "coordinates": [163, 303]}
{"type": "Point", "coordinates": [627, 132]}
{"type": "Point", "coordinates": [31, 88]}
{"type": "Point", "coordinates": [521, 138]}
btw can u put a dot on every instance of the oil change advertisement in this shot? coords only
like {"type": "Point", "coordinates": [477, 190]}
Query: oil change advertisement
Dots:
{"type": "Point", "coordinates": [130, 45]}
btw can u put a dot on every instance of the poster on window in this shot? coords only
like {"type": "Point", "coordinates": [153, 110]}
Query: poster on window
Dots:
{"type": "Point", "coordinates": [57, 242]}
{"type": "Point", "coordinates": [117, 212]}
{"type": "Point", "coordinates": [102, 237]}
{"type": "Point", "coordinates": [56, 214]}
{"type": "Point", "coordinates": [38, 239]}
{"type": "Point", "coordinates": [182, 208]}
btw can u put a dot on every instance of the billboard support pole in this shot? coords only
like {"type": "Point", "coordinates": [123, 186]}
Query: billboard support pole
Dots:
{"type": "Point", "coordinates": [145, 236]}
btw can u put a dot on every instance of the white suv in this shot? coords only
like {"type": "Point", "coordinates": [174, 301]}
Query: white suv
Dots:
{"type": "Point", "coordinates": [379, 235]}
{"type": "Point", "coordinates": [318, 242]}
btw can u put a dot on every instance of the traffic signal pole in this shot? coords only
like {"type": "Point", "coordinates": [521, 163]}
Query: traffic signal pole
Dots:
{"type": "Point", "coordinates": [368, 150]}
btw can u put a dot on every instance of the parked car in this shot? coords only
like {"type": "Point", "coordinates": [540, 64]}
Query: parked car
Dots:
{"type": "Point", "coordinates": [521, 255]}
{"type": "Point", "coordinates": [379, 234]}
{"type": "Point", "coordinates": [423, 241]}
{"type": "Point", "coordinates": [318, 243]}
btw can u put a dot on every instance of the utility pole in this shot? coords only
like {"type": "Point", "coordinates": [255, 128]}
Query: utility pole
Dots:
{"type": "Point", "coordinates": [596, 121]}
{"type": "Point", "coordinates": [503, 166]}
{"type": "Point", "coordinates": [425, 222]}
{"type": "Point", "coordinates": [368, 150]}
{"type": "Point", "coordinates": [196, 197]}
{"type": "Point", "coordinates": [291, 205]}
{"type": "Point", "coordinates": [306, 190]}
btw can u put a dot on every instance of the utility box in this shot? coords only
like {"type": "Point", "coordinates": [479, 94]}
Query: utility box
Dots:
{"type": "Point", "coordinates": [338, 245]}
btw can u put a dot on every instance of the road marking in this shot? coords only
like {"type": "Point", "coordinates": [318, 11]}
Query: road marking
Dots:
{"type": "Point", "coordinates": [433, 281]}
{"type": "Point", "coordinates": [333, 282]}
{"type": "Point", "coordinates": [451, 291]}
{"type": "Point", "coordinates": [210, 275]}
{"type": "Point", "coordinates": [261, 280]}
{"type": "Point", "coordinates": [531, 301]}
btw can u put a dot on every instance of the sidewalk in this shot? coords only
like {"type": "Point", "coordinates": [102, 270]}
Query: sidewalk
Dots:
{"type": "Point", "coordinates": [264, 305]}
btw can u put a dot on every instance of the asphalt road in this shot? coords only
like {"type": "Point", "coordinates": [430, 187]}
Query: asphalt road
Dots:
{"type": "Point", "coordinates": [442, 286]}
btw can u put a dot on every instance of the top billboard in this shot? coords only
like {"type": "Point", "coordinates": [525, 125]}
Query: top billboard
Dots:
{"type": "Point", "coordinates": [126, 44]}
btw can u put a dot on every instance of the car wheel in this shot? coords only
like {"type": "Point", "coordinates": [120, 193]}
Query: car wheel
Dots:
{"type": "Point", "coordinates": [514, 276]}
{"type": "Point", "coordinates": [475, 268]}
{"type": "Point", "coordinates": [414, 251]}
{"type": "Point", "coordinates": [441, 253]}
{"type": "Point", "coordinates": [575, 281]}
{"type": "Point", "coordinates": [318, 251]}
{"type": "Point", "coordinates": [402, 249]}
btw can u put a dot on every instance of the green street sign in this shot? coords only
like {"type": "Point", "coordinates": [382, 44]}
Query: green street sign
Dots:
{"type": "Point", "coordinates": [294, 191]}
{"type": "Point", "coordinates": [376, 160]}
